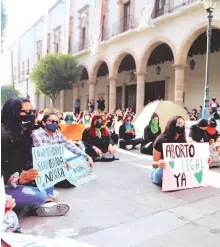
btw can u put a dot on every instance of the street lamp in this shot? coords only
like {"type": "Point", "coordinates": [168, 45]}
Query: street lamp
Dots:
{"type": "Point", "coordinates": [209, 6]}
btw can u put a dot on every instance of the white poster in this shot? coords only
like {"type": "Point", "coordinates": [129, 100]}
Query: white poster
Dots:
{"type": "Point", "coordinates": [187, 165]}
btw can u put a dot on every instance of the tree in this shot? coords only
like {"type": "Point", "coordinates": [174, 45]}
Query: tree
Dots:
{"type": "Point", "coordinates": [54, 73]}
{"type": "Point", "coordinates": [7, 92]}
{"type": "Point", "coordinates": [4, 19]}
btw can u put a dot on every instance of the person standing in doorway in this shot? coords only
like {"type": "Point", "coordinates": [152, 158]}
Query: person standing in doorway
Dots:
{"type": "Point", "coordinates": [77, 106]}
{"type": "Point", "coordinates": [101, 104]}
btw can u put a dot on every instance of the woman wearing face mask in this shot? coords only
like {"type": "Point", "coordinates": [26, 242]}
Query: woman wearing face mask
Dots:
{"type": "Point", "coordinates": [86, 119]}
{"type": "Point", "coordinates": [97, 139]}
{"type": "Point", "coordinates": [69, 118]}
{"type": "Point", "coordinates": [49, 135]}
{"type": "Point", "coordinates": [151, 132]}
{"type": "Point", "coordinates": [174, 133]}
{"type": "Point", "coordinates": [127, 134]}
{"type": "Point", "coordinates": [198, 132]}
{"type": "Point", "coordinates": [18, 118]}
{"type": "Point", "coordinates": [212, 131]}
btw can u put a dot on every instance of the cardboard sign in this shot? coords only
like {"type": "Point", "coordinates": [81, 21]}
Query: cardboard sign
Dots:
{"type": "Point", "coordinates": [79, 173]}
{"type": "Point", "coordinates": [187, 165]}
{"type": "Point", "coordinates": [50, 163]}
{"type": "Point", "coordinates": [24, 240]}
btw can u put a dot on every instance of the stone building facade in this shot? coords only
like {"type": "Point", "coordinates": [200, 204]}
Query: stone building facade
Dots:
{"type": "Point", "coordinates": [134, 66]}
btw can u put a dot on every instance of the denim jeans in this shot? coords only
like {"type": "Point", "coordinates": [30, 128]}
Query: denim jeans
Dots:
{"type": "Point", "coordinates": [157, 176]}
{"type": "Point", "coordinates": [29, 196]}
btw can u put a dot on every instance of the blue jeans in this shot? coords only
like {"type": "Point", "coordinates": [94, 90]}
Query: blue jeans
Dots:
{"type": "Point", "coordinates": [29, 196]}
{"type": "Point", "coordinates": [157, 176]}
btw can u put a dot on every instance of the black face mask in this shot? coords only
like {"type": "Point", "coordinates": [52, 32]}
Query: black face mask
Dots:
{"type": "Point", "coordinates": [27, 121]}
{"type": "Point", "coordinates": [212, 124]}
{"type": "Point", "coordinates": [98, 125]}
{"type": "Point", "coordinates": [180, 129]}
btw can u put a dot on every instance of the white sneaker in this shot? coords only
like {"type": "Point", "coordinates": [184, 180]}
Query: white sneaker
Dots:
{"type": "Point", "coordinates": [52, 209]}
{"type": "Point", "coordinates": [129, 147]}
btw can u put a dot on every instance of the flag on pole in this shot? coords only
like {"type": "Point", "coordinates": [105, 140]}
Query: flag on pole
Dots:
{"type": "Point", "coordinates": [99, 13]}
{"type": "Point", "coordinates": [146, 20]}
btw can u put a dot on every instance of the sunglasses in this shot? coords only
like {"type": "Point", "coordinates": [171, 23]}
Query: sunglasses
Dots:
{"type": "Point", "coordinates": [53, 121]}
{"type": "Point", "coordinates": [30, 112]}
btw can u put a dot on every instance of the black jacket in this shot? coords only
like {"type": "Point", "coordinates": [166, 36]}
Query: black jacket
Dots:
{"type": "Point", "coordinates": [124, 135]}
{"type": "Point", "coordinates": [101, 143]}
{"type": "Point", "coordinates": [198, 135]}
{"type": "Point", "coordinates": [149, 136]}
{"type": "Point", "coordinates": [16, 153]}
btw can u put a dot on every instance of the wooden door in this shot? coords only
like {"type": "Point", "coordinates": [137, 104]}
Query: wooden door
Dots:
{"type": "Point", "coordinates": [131, 96]}
{"type": "Point", "coordinates": [119, 98]}
{"type": "Point", "coordinates": [154, 90]}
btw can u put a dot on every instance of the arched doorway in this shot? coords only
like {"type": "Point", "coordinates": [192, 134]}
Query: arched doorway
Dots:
{"type": "Point", "coordinates": [126, 83]}
{"type": "Point", "coordinates": [160, 74]}
{"type": "Point", "coordinates": [102, 87]}
{"type": "Point", "coordinates": [195, 73]}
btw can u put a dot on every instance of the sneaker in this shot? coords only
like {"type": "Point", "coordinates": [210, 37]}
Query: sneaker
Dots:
{"type": "Point", "coordinates": [52, 209]}
{"type": "Point", "coordinates": [129, 147]}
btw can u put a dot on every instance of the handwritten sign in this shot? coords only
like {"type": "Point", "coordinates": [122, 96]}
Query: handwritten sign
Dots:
{"type": "Point", "coordinates": [79, 173]}
{"type": "Point", "coordinates": [187, 165]}
{"type": "Point", "coordinates": [50, 163]}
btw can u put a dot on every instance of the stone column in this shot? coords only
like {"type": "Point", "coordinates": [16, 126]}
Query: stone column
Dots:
{"type": "Point", "coordinates": [167, 96]}
{"type": "Point", "coordinates": [92, 90]}
{"type": "Point", "coordinates": [107, 98]}
{"type": "Point", "coordinates": [112, 94]}
{"type": "Point", "coordinates": [140, 90]}
{"type": "Point", "coordinates": [123, 96]}
{"type": "Point", "coordinates": [179, 83]}
{"type": "Point", "coordinates": [62, 101]}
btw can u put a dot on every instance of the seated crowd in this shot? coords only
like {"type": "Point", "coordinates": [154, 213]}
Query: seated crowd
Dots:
{"type": "Point", "coordinates": [22, 128]}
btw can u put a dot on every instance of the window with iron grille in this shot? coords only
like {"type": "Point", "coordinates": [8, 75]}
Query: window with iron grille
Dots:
{"type": "Point", "coordinates": [127, 15]}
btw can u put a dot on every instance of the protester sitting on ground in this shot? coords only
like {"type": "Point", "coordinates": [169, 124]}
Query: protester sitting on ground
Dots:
{"type": "Point", "coordinates": [151, 131]}
{"type": "Point", "coordinates": [10, 220]}
{"type": "Point", "coordinates": [97, 140]}
{"type": "Point", "coordinates": [48, 134]}
{"type": "Point", "coordinates": [110, 119]}
{"type": "Point", "coordinates": [117, 123]}
{"type": "Point", "coordinates": [80, 118]}
{"type": "Point", "coordinates": [216, 116]}
{"type": "Point", "coordinates": [198, 132]}
{"type": "Point", "coordinates": [212, 131]}
{"type": "Point", "coordinates": [199, 113]}
{"type": "Point", "coordinates": [194, 115]}
{"type": "Point", "coordinates": [174, 133]}
{"type": "Point", "coordinates": [69, 118]}
{"type": "Point", "coordinates": [18, 118]}
{"type": "Point", "coordinates": [86, 120]}
{"type": "Point", "coordinates": [214, 105]}
{"type": "Point", "coordinates": [127, 136]}
{"type": "Point", "coordinates": [101, 105]}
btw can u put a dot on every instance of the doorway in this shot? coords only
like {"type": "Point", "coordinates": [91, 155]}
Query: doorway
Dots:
{"type": "Point", "coordinates": [131, 97]}
{"type": "Point", "coordinates": [154, 91]}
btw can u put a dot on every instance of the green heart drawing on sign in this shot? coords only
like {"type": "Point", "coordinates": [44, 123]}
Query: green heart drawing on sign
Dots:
{"type": "Point", "coordinates": [198, 176]}
{"type": "Point", "coordinates": [171, 163]}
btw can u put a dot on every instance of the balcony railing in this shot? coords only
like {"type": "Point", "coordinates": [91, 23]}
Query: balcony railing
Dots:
{"type": "Point", "coordinates": [80, 46]}
{"type": "Point", "coordinates": [169, 6]}
{"type": "Point", "coordinates": [124, 25]}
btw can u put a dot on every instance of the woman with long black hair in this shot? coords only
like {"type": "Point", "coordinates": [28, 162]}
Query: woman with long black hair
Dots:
{"type": "Point", "coordinates": [174, 133]}
{"type": "Point", "coordinates": [18, 117]}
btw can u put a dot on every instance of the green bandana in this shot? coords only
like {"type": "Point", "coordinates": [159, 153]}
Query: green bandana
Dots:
{"type": "Point", "coordinates": [99, 131]}
{"type": "Point", "coordinates": [154, 126]}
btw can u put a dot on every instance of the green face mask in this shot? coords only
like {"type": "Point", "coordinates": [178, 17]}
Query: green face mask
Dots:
{"type": "Point", "coordinates": [154, 126]}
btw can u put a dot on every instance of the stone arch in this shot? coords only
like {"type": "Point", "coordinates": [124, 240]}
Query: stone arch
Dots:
{"type": "Point", "coordinates": [115, 65]}
{"type": "Point", "coordinates": [96, 66]}
{"type": "Point", "coordinates": [190, 38]}
{"type": "Point", "coordinates": [84, 66]}
{"type": "Point", "coordinates": [149, 49]}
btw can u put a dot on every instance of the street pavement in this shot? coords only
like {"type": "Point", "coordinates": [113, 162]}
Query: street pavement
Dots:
{"type": "Point", "coordinates": [122, 208]}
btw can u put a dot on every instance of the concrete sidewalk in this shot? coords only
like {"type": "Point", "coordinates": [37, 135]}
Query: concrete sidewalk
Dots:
{"type": "Point", "coordinates": [123, 208]}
